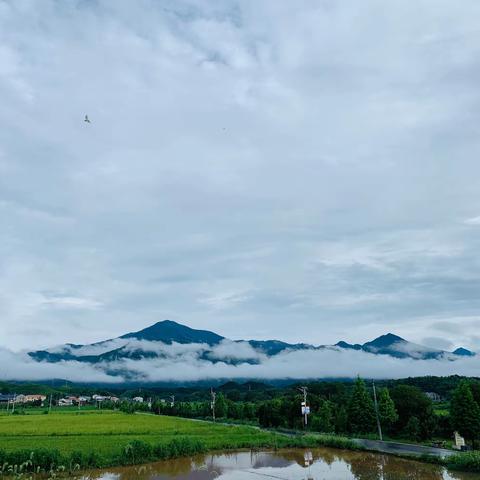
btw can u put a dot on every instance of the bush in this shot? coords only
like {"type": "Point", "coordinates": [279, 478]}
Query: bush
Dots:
{"type": "Point", "coordinates": [468, 461]}
{"type": "Point", "coordinates": [178, 447]}
{"type": "Point", "coordinates": [137, 452]}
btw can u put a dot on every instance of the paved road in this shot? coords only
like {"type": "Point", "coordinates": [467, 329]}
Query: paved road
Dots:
{"type": "Point", "coordinates": [376, 445]}
{"type": "Point", "coordinates": [402, 448]}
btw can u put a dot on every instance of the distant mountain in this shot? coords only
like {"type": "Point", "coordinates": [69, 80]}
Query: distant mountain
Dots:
{"type": "Point", "coordinates": [169, 331]}
{"type": "Point", "coordinates": [272, 347]}
{"type": "Point", "coordinates": [395, 346]}
{"type": "Point", "coordinates": [463, 352]}
{"type": "Point", "coordinates": [168, 339]}
{"type": "Point", "coordinates": [349, 346]}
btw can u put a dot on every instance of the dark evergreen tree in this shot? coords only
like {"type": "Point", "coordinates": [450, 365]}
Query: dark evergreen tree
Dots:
{"type": "Point", "coordinates": [323, 420]}
{"type": "Point", "coordinates": [341, 420]}
{"type": "Point", "coordinates": [386, 409]}
{"type": "Point", "coordinates": [220, 406]}
{"type": "Point", "coordinates": [361, 411]}
{"type": "Point", "coordinates": [412, 402]}
{"type": "Point", "coordinates": [465, 412]}
{"type": "Point", "coordinates": [413, 429]}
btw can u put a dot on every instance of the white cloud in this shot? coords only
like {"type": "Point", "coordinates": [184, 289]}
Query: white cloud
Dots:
{"type": "Point", "coordinates": [472, 221]}
{"type": "Point", "coordinates": [289, 177]}
{"type": "Point", "coordinates": [186, 363]}
{"type": "Point", "coordinates": [20, 366]}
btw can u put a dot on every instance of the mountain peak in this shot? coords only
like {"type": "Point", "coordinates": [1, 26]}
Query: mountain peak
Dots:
{"type": "Point", "coordinates": [385, 341]}
{"type": "Point", "coordinates": [168, 331]}
{"type": "Point", "coordinates": [463, 352]}
{"type": "Point", "coordinates": [346, 345]}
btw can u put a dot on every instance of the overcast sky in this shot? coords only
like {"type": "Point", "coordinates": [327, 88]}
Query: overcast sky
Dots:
{"type": "Point", "coordinates": [301, 170]}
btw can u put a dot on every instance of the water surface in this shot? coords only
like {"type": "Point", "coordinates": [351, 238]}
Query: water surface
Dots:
{"type": "Point", "coordinates": [298, 464]}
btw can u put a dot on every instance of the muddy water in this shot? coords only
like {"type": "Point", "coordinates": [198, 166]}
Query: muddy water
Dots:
{"type": "Point", "coordinates": [317, 464]}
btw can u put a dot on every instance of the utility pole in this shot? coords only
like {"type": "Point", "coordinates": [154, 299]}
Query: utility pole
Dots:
{"type": "Point", "coordinates": [50, 404]}
{"type": "Point", "coordinates": [212, 404]}
{"type": "Point", "coordinates": [376, 412]}
{"type": "Point", "coordinates": [305, 407]}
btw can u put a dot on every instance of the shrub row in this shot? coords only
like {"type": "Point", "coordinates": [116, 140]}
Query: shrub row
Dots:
{"type": "Point", "coordinates": [51, 460]}
{"type": "Point", "coordinates": [137, 451]}
{"type": "Point", "coordinates": [467, 462]}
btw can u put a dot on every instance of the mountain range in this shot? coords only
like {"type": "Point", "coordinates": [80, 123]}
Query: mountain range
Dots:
{"type": "Point", "coordinates": [167, 338]}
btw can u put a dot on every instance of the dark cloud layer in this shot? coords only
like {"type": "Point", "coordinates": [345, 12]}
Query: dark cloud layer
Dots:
{"type": "Point", "coordinates": [300, 170]}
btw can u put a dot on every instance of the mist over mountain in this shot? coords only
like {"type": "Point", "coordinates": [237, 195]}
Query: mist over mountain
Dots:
{"type": "Point", "coordinates": [170, 352]}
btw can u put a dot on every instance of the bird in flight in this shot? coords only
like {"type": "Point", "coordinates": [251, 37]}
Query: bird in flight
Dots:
{"type": "Point", "coordinates": [87, 119]}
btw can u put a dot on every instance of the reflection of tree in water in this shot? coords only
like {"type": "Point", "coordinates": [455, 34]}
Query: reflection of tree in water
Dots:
{"type": "Point", "coordinates": [195, 468]}
{"type": "Point", "coordinates": [388, 467]}
{"type": "Point", "coordinates": [324, 455]}
{"type": "Point", "coordinates": [270, 459]}
{"type": "Point", "coordinates": [290, 456]}
{"type": "Point", "coordinates": [400, 469]}
{"type": "Point", "coordinates": [284, 458]}
{"type": "Point", "coordinates": [179, 466]}
{"type": "Point", "coordinates": [365, 466]}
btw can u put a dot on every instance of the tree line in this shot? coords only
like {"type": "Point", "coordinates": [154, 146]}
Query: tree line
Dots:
{"type": "Point", "coordinates": [404, 411]}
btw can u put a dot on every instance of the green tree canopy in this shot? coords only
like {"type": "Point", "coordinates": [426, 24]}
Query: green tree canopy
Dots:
{"type": "Point", "coordinates": [386, 409]}
{"type": "Point", "coordinates": [361, 411]}
{"type": "Point", "coordinates": [465, 412]}
{"type": "Point", "coordinates": [410, 402]}
{"type": "Point", "coordinates": [413, 428]}
{"type": "Point", "coordinates": [323, 420]}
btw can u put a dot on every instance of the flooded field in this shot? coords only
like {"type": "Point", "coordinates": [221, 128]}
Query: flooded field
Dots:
{"type": "Point", "coordinates": [317, 464]}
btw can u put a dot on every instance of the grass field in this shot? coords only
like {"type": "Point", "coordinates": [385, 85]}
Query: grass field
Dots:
{"type": "Point", "coordinates": [106, 432]}
{"type": "Point", "coordinates": [66, 441]}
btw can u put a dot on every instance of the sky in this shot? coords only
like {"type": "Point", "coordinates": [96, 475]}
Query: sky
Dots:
{"type": "Point", "coordinates": [300, 170]}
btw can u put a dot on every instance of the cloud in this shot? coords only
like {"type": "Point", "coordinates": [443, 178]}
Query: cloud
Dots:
{"type": "Point", "coordinates": [185, 363]}
{"type": "Point", "coordinates": [473, 221]}
{"type": "Point", "coordinates": [288, 178]}
{"type": "Point", "coordinates": [438, 342]}
{"type": "Point", "coordinates": [20, 366]}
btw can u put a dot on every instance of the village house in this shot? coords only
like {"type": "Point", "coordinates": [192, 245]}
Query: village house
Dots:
{"type": "Point", "coordinates": [7, 397]}
{"type": "Point", "coordinates": [35, 398]}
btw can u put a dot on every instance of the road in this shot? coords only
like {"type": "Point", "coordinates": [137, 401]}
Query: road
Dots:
{"type": "Point", "coordinates": [402, 448]}
{"type": "Point", "coordinates": [395, 448]}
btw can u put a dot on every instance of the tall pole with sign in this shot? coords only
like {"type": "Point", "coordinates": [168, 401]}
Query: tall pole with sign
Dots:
{"type": "Point", "coordinates": [212, 404]}
{"type": "Point", "coordinates": [305, 407]}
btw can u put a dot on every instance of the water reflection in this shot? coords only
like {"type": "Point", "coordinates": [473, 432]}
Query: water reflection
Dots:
{"type": "Point", "coordinates": [298, 464]}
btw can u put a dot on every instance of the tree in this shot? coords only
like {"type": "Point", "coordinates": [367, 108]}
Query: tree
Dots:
{"type": "Point", "coordinates": [322, 421]}
{"type": "Point", "coordinates": [413, 429]}
{"type": "Point", "coordinates": [475, 388]}
{"type": "Point", "coordinates": [465, 412]}
{"type": "Point", "coordinates": [361, 411]}
{"type": "Point", "coordinates": [220, 406]}
{"type": "Point", "coordinates": [412, 402]}
{"type": "Point", "coordinates": [341, 420]}
{"type": "Point", "coordinates": [386, 409]}
{"type": "Point", "coordinates": [269, 413]}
